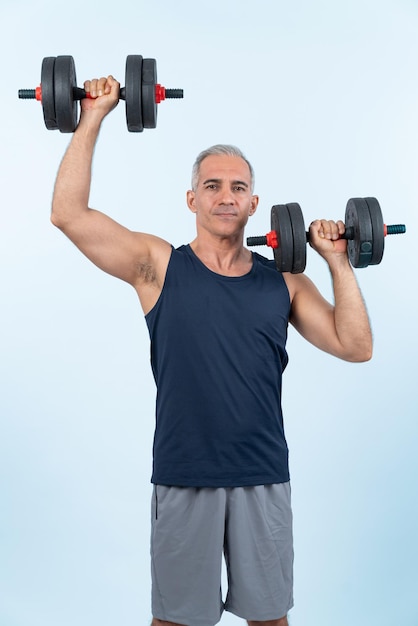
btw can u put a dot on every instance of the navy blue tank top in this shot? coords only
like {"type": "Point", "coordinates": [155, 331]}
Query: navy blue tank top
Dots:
{"type": "Point", "coordinates": [217, 355]}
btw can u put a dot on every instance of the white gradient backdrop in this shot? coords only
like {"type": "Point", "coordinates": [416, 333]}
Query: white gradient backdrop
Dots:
{"type": "Point", "coordinates": [323, 98]}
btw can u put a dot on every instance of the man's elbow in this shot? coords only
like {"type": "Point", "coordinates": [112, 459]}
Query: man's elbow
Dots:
{"type": "Point", "coordinates": [60, 215]}
{"type": "Point", "coordinates": [56, 216]}
{"type": "Point", "coordinates": [55, 219]}
{"type": "Point", "coordinates": [362, 354]}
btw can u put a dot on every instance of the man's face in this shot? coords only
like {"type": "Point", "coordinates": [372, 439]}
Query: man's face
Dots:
{"type": "Point", "coordinates": [223, 199]}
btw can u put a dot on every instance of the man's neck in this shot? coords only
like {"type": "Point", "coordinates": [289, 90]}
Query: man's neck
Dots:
{"type": "Point", "coordinates": [223, 257]}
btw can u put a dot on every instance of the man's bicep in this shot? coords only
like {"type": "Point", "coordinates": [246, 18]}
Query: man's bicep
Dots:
{"type": "Point", "coordinates": [313, 316]}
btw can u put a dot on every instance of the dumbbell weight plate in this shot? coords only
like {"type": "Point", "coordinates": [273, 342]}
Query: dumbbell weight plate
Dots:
{"type": "Point", "coordinates": [149, 105]}
{"type": "Point", "coordinates": [378, 230]}
{"type": "Point", "coordinates": [281, 223]}
{"type": "Point", "coordinates": [299, 238]}
{"type": "Point", "coordinates": [360, 244]}
{"type": "Point", "coordinates": [48, 96]}
{"type": "Point", "coordinates": [64, 83]}
{"type": "Point", "coordinates": [133, 93]}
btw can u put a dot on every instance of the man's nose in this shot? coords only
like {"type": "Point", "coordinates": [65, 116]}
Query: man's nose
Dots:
{"type": "Point", "coordinates": [226, 196]}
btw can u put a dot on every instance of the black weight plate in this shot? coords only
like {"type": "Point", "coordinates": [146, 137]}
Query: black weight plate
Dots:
{"type": "Point", "coordinates": [281, 223]}
{"type": "Point", "coordinates": [299, 237]}
{"type": "Point", "coordinates": [149, 105]}
{"type": "Point", "coordinates": [48, 94]}
{"type": "Point", "coordinates": [378, 230]}
{"type": "Point", "coordinates": [360, 245]}
{"type": "Point", "coordinates": [133, 93]}
{"type": "Point", "coordinates": [64, 83]}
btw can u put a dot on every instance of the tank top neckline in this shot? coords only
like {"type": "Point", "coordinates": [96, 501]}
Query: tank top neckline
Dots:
{"type": "Point", "coordinates": [248, 274]}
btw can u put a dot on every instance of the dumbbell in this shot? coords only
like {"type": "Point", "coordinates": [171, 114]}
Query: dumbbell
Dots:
{"type": "Point", "coordinates": [365, 232]}
{"type": "Point", "coordinates": [59, 94]}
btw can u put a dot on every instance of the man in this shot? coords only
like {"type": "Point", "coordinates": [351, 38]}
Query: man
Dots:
{"type": "Point", "coordinates": [217, 316]}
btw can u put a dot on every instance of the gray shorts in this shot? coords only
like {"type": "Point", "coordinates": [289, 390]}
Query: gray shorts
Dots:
{"type": "Point", "coordinates": [193, 527]}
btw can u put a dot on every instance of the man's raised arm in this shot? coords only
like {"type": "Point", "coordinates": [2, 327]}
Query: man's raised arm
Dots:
{"type": "Point", "coordinates": [112, 247]}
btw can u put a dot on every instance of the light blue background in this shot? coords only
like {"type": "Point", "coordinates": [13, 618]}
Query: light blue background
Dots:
{"type": "Point", "coordinates": [323, 98]}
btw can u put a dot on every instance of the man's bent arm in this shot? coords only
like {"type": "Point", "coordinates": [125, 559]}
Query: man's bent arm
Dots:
{"type": "Point", "coordinates": [112, 247]}
{"type": "Point", "coordinates": [342, 329]}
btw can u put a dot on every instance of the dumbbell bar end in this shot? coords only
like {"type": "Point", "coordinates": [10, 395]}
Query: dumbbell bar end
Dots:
{"type": "Point", "coordinates": [395, 229]}
{"type": "Point", "coordinates": [30, 94]}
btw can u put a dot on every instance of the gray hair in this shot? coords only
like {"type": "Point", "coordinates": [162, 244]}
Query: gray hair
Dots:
{"type": "Point", "coordinates": [219, 149]}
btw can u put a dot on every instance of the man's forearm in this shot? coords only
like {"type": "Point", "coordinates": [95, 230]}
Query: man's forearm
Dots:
{"type": "Point", "coordinates": [72, 186]}
{"type": "Point", "coordinates": [351, 319]}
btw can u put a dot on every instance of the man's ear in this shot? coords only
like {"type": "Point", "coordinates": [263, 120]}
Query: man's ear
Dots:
{"type": "Point", "coordinates": [253, 205]}
{"type": "Point", "coordinates": [191, 201]}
